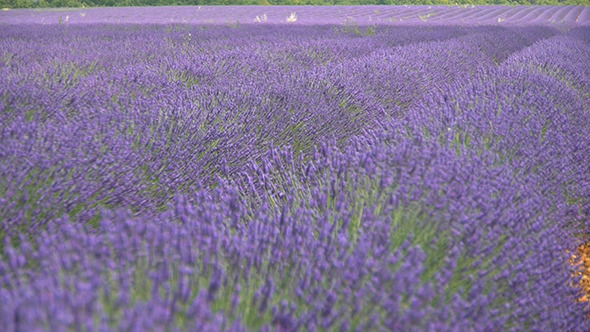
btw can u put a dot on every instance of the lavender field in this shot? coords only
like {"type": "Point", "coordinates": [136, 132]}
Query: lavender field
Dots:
{"type": "Point", "coordinates": [308, 15]}
{"type": "Point", "coordinates": [347, 169]}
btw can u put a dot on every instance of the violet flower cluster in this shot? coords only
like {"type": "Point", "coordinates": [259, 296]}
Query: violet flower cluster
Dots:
{"type": "Point", "coordinates": [217, 178]}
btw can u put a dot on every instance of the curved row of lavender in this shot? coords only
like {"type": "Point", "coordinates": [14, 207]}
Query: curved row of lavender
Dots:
{"type": "Point", "coordinates": [177, 177]}
{"type": "Point", "coordinates": [559, 16]}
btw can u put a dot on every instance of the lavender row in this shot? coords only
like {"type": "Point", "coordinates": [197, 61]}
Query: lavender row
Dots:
{"type": "Point", "coordinates": [293, 178]}
{"type": "Point", "coordinates": [464, 15]}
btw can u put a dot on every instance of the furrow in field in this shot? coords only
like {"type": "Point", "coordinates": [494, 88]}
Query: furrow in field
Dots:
{"type": "Point", "coordinates": [533, 15]}
{"type": "Point", "coordinates": [493, 15]}
{"type": "Point", "coordinates": [462, 13]}
{"type": "Point", "coordinates": [475, 16]}
{"type": "Point", "coordinates": [519, 14]}
{"type": "Point", "coordinates": [406, 14]}
{"type": "Point", "coordinates": [513, 14]}
{"type": "Point", "coordinates": [584, 17]}
{"type": "Point", "coordinates": [446, 13]}
{"type": "Point", "coordinates": [573, 14]}
{"type": "Point", "coordinates": [547, 14]}
{"type": "Point", "coordinates": [559, 15]}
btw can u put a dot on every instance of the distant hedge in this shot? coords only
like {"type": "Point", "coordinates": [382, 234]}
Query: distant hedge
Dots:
{"type": "Point", "coordinates": [111, 3]}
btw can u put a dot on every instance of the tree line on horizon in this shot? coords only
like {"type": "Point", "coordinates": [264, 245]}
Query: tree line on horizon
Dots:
{"type": "Point", "coordinates": [132, 3]}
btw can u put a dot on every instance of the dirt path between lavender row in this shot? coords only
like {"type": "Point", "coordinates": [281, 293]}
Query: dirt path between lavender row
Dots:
{"type": "Point", "coordinates": [582, 260]}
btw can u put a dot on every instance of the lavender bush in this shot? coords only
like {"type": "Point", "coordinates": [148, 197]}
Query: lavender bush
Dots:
{"type": "Point", "coordinates": [241, 177]}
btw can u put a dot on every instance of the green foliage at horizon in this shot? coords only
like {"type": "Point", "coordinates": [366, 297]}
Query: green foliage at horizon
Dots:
{"type": "Point", "coordinates": [133, 3]}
